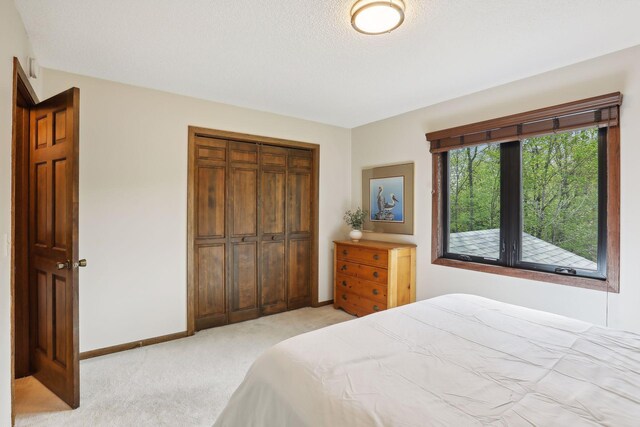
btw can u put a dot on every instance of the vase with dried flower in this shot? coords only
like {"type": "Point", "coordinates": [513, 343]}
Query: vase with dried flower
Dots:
{"type": "Point", "coordinates": [355, 219]}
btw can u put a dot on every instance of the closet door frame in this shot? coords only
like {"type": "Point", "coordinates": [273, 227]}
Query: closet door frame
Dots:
{"type": "Point", "coordinates": [194, 132]}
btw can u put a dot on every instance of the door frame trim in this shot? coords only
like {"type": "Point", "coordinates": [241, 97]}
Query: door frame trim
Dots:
{"type": "Point", "coordinates": [194, 131]}
{"type": "Point", "coordinates": [21, 86]}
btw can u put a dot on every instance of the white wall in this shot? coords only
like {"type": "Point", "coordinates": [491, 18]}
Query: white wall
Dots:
{"type": "Point", "coordinates": [133, 200]}
{"type": "Point", "coordinates": [13, 42]}
{"type": "Point", "coordinates": [402, 138]}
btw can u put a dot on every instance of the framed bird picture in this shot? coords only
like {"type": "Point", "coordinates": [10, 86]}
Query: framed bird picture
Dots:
{"type": "Point", "coordinates": [387, 193]}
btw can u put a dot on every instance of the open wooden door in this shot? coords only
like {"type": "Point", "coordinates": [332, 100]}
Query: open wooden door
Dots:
{"type": "Point", "coordinates": [53, 244]}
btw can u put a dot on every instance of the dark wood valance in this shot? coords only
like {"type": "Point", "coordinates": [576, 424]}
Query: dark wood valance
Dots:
{"type": "Point", "coordinates": [597, 111]}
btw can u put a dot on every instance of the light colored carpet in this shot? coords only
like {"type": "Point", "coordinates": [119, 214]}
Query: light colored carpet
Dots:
{"type": "Point", "coordinates": [186, 382]}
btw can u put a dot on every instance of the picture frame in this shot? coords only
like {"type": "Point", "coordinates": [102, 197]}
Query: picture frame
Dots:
{"type": "Point", "coordinates": [388, 195]}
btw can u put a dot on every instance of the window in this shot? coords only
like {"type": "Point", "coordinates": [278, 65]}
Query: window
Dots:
{"type": "Point", "coordinates": [536, 199]}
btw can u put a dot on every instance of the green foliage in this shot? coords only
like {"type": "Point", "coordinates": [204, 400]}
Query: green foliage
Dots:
{"type": "Point", "coordinates": [559, 189]}
{"type": "Point", "coordinates": [474, 188]}
{"type": "Point", "coordinates": [355, 219]}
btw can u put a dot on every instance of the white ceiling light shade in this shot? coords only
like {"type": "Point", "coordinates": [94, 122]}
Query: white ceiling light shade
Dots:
{"type": "Point", "coordinates": [377, 16]}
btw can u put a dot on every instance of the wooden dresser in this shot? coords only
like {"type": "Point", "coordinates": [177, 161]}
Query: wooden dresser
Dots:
{"type": "Point", "coordinates": [372, 276]}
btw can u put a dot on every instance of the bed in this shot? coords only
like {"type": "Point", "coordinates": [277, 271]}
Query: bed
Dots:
{"type": "Point", "coordinates": [455, 360]}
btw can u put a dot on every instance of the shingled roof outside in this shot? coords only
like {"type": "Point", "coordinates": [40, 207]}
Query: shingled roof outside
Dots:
{"type": "Point", "coordinates": [486, 243]}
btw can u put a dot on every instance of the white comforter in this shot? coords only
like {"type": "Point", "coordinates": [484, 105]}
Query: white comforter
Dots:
{"type": "Point", "coordinates": [456, 360]}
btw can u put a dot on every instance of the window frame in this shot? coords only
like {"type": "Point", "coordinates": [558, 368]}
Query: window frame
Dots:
{"type": "Point", "coordinates": [607, 278]}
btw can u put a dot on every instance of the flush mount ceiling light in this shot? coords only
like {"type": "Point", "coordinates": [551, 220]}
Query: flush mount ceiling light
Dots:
{"type": "Point", "coordinates": [377, 16]}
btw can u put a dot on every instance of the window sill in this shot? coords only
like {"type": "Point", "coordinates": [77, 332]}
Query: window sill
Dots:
{"type": "Point", "coordinates": [579, 282]}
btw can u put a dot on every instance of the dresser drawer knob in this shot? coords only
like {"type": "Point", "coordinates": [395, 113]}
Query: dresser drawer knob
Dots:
{"type": "Point", "coordinates": [376, 292]}
{"type": "Point", "coordinates": [375, 274]}
{"type": "Point", "coordinates": [376, 308]}
{"type": "Point", "coordinates": [345, 252]}
{"type": "Point", "coordinates": [344, 283]}
{"type": "Point", "coordinates": [376, 257]}
{"type": "Point", "coordinates": [343, 268]}
{"type": "Point", "coordinates": [344, 297]}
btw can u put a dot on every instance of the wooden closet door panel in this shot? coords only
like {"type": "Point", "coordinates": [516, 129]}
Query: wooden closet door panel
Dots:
{"type": "Point", "coordinates": [272, 298]}
{"type": "Point", "coordinates": [243, 210]}
{"type": "Point", "coordinates": [244, 282]}
{"type": "Point", "coordinates": [299, 273]}
{"type": "Point", "coordinates": [211, 201]}
{"type": "Point", "coordinates": [273, 201]}
{"type": "Point", "coordinates": [299, 195]}
{"type": "Point", "coordinates": [244, 202]}
{"type": "Point", "coordinates": [210, 280]}
{"type": "Point", "coordinates": [299, 227]}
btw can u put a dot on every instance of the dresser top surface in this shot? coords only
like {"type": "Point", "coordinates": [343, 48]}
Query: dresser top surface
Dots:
{"type": "Point", "coordinates": [375, 244]}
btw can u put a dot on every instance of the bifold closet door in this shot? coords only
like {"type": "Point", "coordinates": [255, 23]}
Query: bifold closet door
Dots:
{"type": "Point", "coordinates": [299, 227]}
{"type": "Point", "coordinates": [210, 245]}
{"type": "Point", "coordinates": [243, 214]}
{"type": "Point", "coordinates": [273, 176]}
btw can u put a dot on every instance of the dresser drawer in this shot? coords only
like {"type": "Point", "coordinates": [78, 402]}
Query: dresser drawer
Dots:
{"type": "Point", "coordinates": [355, 304]}
{"type": "Point", "coordinates": [361, 271]}
{"type": "Point", "coordinates": [375, 257]}
{"type": "Point", "coordinates": [373, 291]}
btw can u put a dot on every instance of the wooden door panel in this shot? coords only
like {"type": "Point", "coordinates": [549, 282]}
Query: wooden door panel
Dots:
{"type": "Point", "coordinates": [273, 276]}
{"type": "Point", "coordinates": [273, 202]}
{"type": "Point", "coordinates": [59, 306]}
{"type": "Point", "coordinates": [60, 126]}
{"type": "Point", "coordinates": [274, 159]}
{"type": "Point", "coordinates": [60, 198]}
{"type": "Point", "coordinates": [244, 202]}
{"type": "Point", "coordinates": [211, 201]}
{"type": "Point", "coordinates": [245, 279]}
{"type": "Point", "coordinates": [299, 162]}
{"type": "Point", "coordinates": [39, 317]}
{"type": "Point", "coordinates": [300, 159]}
{"type": "Point", "coordinates": [211, 282]}
{"type": "Point", "coordinates": [39, 204]}
{"type": "Point", "coordinates": [299, 274]}
{"type": "Point", "coordinates": [299, 203]}
{"type": "Point", "coordinates": [42, 130]}
{"type": "Point", "coordinates": [53, 221]}
{"type": "Point", "coordinates": [210, 150]}
{"type": "Point", "coordinates": [242, 156]}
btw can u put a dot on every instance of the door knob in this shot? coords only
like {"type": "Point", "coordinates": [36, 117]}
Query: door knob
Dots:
{"type": "Point", "coordinates": [81, 263]}
{"type": "Point", "coordinates": [63, 265]}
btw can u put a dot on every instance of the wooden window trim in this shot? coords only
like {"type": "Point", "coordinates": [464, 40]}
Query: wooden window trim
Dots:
{"type": "Point", "coordinates": [611, 284]}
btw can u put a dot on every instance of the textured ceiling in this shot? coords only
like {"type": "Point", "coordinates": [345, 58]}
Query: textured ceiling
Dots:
{"type": "Point", "coordinates": [302, 58]}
